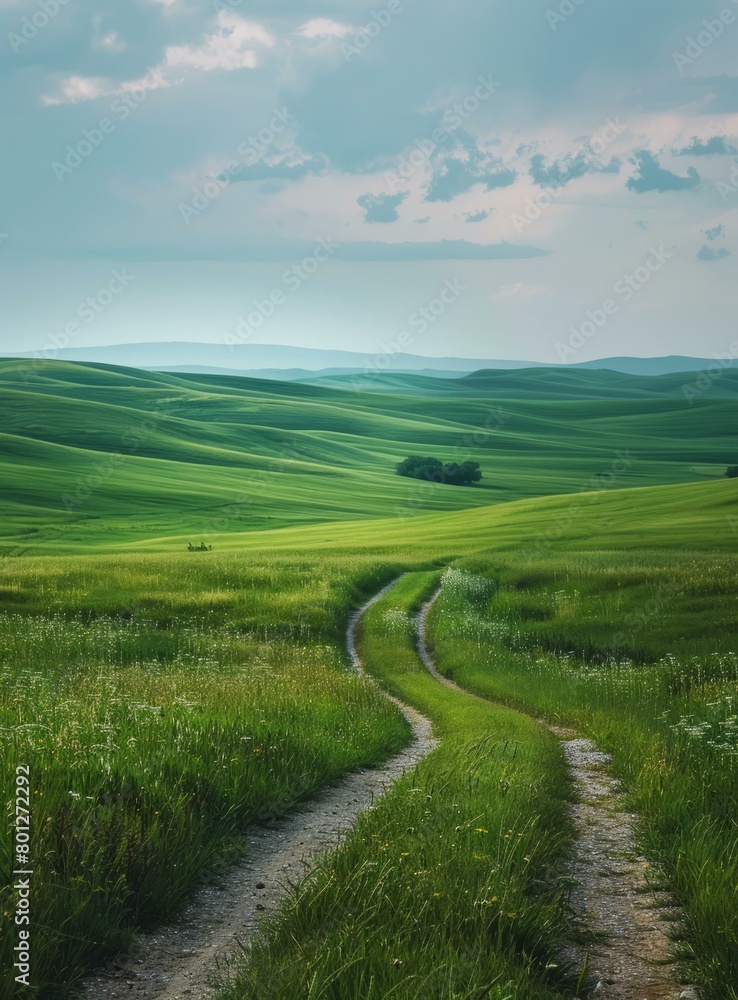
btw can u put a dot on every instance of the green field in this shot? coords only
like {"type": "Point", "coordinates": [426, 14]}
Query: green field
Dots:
{"type": "Point", "coordinates": [99, 457]}
{"type": "Point", "coordinates": [165, 699]}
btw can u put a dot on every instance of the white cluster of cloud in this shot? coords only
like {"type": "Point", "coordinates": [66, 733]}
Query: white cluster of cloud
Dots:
{"type": "Point", "coordinates": [234, 44]}
{"type": "Point", "coordinates": [324, 27]}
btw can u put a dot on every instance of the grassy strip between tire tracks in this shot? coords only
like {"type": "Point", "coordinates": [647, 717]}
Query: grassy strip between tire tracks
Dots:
{"type": "Point", "coordinates": [444, 889]}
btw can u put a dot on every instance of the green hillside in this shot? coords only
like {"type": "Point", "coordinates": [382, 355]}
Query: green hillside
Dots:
{"type": "Point", "coordinates": [98, 455]}
{"type": "Point", "coordinates": [678, 519]}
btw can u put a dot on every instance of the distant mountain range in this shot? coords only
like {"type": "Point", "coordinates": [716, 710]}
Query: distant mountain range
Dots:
{"type": "Point", "coordinates": [297, 363]}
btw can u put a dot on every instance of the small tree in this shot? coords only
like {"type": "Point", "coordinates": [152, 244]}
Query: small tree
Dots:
{"type": "Point", "coordinates": [732, 472]}
{"type": "Point", "coordinates": [435, 471]}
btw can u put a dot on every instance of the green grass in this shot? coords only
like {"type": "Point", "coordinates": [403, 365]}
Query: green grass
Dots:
{"type": "Point", "coordinates": [96, 457]}
{"type": "Point", "coordinates": [640, 653]}
{"type": "Point", "coordinates": [159, 718]}
{"type": "Point", "coordinates": [445, 888]}
{"type": "Point", "coordinates": [112, 632]}
{"type": "Point", "coordinates": [679, 519]}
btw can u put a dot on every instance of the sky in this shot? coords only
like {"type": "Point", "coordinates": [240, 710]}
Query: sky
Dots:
{"type": "Point", "coordinates": [549, 180]}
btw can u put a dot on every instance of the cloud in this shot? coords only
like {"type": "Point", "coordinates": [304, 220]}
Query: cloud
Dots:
{"type": "Point", "coordinates": [519, 292]}
{"type": "Point", "coordinates": [292, 166]}
{"type": "Point", "coordinates": [353, 118]}
{"type": "Point", "coordinates": [232, 46]}
{"type": "Point", "coordinates": [107, 41]}
{"type": "Point", "coordinates": [716, 146]}
{"type": "Point", "coordinates": [480, 216]}
{"type": "Point", "coordinates": [563, 171]}
{"type": "Point", "coordinates": [443, 250]}
{"type": "Point", "coordinates": [381, 207]}
{"type": "Point", "coordinates": [74, 89]}
{"type": "Point", "coordinates": [456, 173]}
{"type": "Point", "coordinates": [275, 249]}
{"type": "Point", "coordinates": [323, 27]}
{"type": "Point", "coordinates": [708, 254]}
{"type": "Point", "coordinates": [650, 176]}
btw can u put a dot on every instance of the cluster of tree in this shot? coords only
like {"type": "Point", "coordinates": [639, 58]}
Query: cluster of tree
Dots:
{"type": "Point", "coordinates": [436, 471]}
{"type": "Point", "coordinates": [202, 547]}
{"type": "Point", "coordinates": [732, 472]}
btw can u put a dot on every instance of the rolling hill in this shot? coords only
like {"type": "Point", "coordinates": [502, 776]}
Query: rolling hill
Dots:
{"type": "Point", "coordinates": [669, 520]}
{"type": "Point", "coordinates": [96, 455]}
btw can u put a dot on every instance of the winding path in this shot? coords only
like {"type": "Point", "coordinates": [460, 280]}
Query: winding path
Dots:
{"type": "Point", "coordinates": [611, 899]}
{"type": "Point", "coordinates": [178, 961]}
{"type": "Point", "coordinates": [613, 904]}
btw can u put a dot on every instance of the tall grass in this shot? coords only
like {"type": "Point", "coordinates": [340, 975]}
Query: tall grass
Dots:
{"type": "Point", "coordinates": [667, 712]}
{"type": "Point", "coordinates": [152, 746]}
{"type": "Point", "coordinates": [447, 888]}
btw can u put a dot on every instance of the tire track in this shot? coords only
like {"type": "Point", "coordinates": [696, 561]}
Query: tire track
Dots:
{"type": "Point", "coordinates": [613, 905]}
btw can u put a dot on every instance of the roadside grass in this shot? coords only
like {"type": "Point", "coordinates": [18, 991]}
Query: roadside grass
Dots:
{"type": "Point", "coordinates": [640, 654]}
{"type": "Point", "coordinates": [304, 596]}
{"type": "Point", "coordinates": [159, 717]}
{"type": "Point", "coordinates": [447, 887]}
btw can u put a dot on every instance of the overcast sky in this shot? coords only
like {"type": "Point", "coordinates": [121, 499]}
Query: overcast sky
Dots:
{"type": "Point", "coordinates": [566, 172]}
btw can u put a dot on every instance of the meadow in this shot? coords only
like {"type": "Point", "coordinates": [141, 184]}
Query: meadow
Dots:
{"type": "Point", "coordinates": [638, 652]}
{"type": "Point", "coordinates": [165, 700]}
{"type": "Point", "coordinates": [159, 718]}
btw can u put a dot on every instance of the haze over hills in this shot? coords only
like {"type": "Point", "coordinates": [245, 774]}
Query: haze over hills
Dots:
{"type": "Point", "coordinates": [303, 374]}
{"type": "Point", "coordinates": [285, 362]}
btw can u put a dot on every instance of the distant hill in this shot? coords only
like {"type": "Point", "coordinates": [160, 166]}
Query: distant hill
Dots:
{"type": "Point", "coordinates": [536, 383]}
{"type": "Point", "coordinates": [280, 361]}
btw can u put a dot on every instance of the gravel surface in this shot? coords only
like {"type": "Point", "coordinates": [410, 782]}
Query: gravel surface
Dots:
{"type": "Point", "coordinates": [610, 890]}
